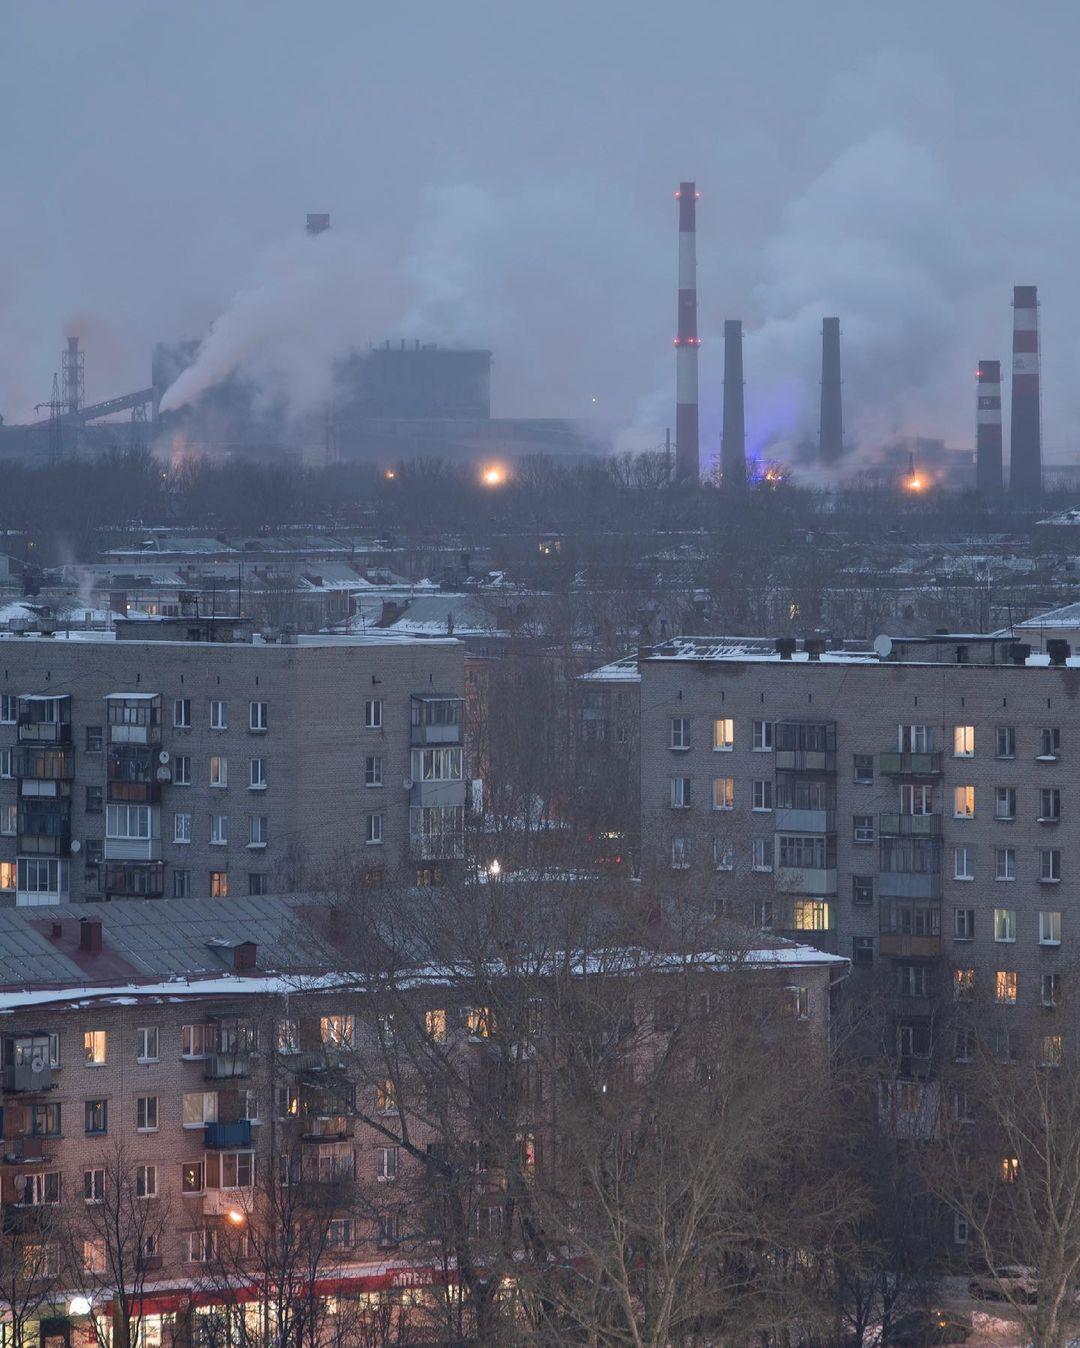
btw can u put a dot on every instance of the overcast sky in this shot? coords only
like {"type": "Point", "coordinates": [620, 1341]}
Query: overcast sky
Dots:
{"type": "Point", "coordinates": [502, 174]}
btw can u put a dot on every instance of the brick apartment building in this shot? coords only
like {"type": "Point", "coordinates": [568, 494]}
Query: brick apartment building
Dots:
{"type": "Point", "coordinates": [184, 1058]}
{"type": "Point", "coordinates": [912, 808]}
{"type": "Point", "coordinates": [181, 757]}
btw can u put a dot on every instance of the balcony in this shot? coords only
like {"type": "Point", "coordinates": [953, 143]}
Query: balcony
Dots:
{"type": "Point", "coordinates": [222, 1066]}
{"type": "Point", "coordinates": [44, 720]}
{"type": "Point", "coordinates": [134, 879]}
{"type": "Point", "coordinates": [906, 944]}
{"type": "Point", "coordinates": [805, 760]}
{"type": "Point", "coordinates": [28, 1078]}
{"type": "Point", "coordinates": [41, 763]}
{"type": "Point", "coordinates": [134, 718]}
{"type": "Point", "coordinates": [805, 821]}
{"type": "Point", "coordinates": [806, 880]}
{"type": "Point", "coordinates": [133, 849]}
{"type": "Point", "coordinates": [222, 1202]}
{"type": "Point", "coordinates": [44, 826]}
{"type": "Point", "coordinates": [909, 885]}
{"type": "Point", "coordinates": [894, 763]}
{"type": "Point", "coordinates": [226, 1136]}
{"type": "Point", "coordinates": [909, 825]}
{"type": "Point", "coordinates": [424, 795]}
{"type": "Point", "coordinates": [316, 1128]}
{"type": "Point", "coordinates": [436, 720]}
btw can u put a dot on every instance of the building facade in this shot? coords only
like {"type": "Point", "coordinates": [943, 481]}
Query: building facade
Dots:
{"type": "Point", "coordinates": [182, 758]}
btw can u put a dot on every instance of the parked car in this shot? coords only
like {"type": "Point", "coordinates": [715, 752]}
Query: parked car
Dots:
{"type": "Point", "coordinates": [920, 1329]}
{"type": "Point", "coordinates": [1013, 1282]}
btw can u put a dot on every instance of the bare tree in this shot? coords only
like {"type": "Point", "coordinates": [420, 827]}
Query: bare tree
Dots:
{"type": "Point", "coordinates": [30, 1266]}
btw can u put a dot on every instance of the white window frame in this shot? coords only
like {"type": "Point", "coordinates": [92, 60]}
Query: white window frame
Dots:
{"type": "Point", "coordinates": [723, 735]}
{"type": "Point", "coordinates": [148, 1043]}
{"type": "Point", "coordinates": [1005, 926]}
{"type": "Point", "coordinates": [680, 854]}
{"type": "Point", "coordinates": [182, 827]}
{"type": "Point", "coordinates": [679, 734]}
{"type": "Point", "coordinates": [761, 855]}
{"type": "Point", "coordinates": [373, 770]}
{"type": "Point", "coordinates": [963, 863]}
{"type": "Point", "coordinates": [373, 829]}
{"type": "Point", "coordinates": [256, 774]}
{"type": "Point", "coordinates": [219, 771]}
{"type": "Point", "coordinates": [763, 795]}
{"type": "Point", "coordinates": [963, 741]}
{"type": "Point", "coordinates": [723, 793]}
{"type": "Point", "coordinates": [1005, 802]}
{"type": "Point", "coordinates": [386, 1164]}
{"type": "Point", "coordinates": [963, 813]}
{"type": "Point", "coordinates": [146, 1180]}
{"type": "Point", "coordinates": [1005, 741]}
{"type": "Point", "coordinates": [1005, 864]}
{"type": "Point", "coordinates": [219, 714]}
{"type": "Point", "coordinates": [219, 830]}
{"type": "Point", "coordinates": [373, 713]}
{"type": "Point", "coordinates": [258, 717]}
{"type": "Point", "coordinates": [763, 737]}
{"type": "Point", "coordinates": [181, 713]}
{"type": "Point", "coordinates": [181, 770]}
{"type": "Point", "coordinates": [147, 1113]}
{"type": "Point", "coordinates": [723, 853]}
{"type": "Point", "coordinates": [1049, 865]}
{"type": "Point", "coordinates": [1049, 926]}
{"type": "Point", "coordinates": [258, 830]}
{"type": "Point", "coordinates": [680, 793]}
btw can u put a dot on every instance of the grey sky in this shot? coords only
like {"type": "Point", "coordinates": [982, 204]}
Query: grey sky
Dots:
{"type": "Point", "coordinates": [505, 172]}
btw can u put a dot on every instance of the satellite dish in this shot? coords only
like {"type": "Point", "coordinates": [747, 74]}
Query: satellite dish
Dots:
{"type": "Point", "coordinates": [407, 783]}
{"type": "Point", "coordinates": [163, 757]}
{"type": "Point", "coordinates": [163, 775]}
{"type": "Point", "coordinates": [883, 646]}
{"type": "Point", "coordinates": [37, 1063]}
{"type": "Point", "coordinates": [76, 845]}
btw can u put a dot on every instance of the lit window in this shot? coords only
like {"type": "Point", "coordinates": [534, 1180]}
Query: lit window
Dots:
{"type": "Point", "coordinates": [964, 802]}
{"type": "Point", "coordinates": [723, 793]}
{"type": "Point", "coordinates": [386, 1098]}
{"type": "Point", "coordinates": [477, 1022]}
{"type": "Point", "coordinates": [812, 915]}
{"type": "Point", "coordinates": [1005, 987]}
{"type": "Point", "coordinates": [723, 734]}
{"type": "Point", "coordinates": [963, 741]}
{"type": "Point", "coordinates": [1051, 1050]}
{"type": "Point", "coordinates": [1010, 1167]}
{"type": "Point", "coordinates": [95, 1045]}
{"type": "Point", "coordinates": [219, 770]}
{"type": "Point", "coordinates": [337, 1031]}
{"type": "Point", "coordinates": [219, 884]}
{"type": "Point", "coordinates": [963, 983]}
{"type": "Point", "coordinates": [435, 1025]}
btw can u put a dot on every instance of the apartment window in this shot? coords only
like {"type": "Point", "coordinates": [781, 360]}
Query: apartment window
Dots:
{"type": "Point", "coordinates": [723, 735]}
{"type": "Point", "coordinates": [219, 715]}
{"type": "Point", "coordinates": [680, 854]}
{"type": "Point", "coordinates": [181, 884]}
{"type": "Point", "coordinates": [95, 799]}
{"type": "Point", "coordinates": [864, 768]}
{"type": "Point", "coordinates": [963, 983]}
{"type": "Point", "coordinates": [862, 889]}
{"type": "Point", "coordinates": [132, 822]}
{"type": "Point", "coordinates": [723, 853]}
{"type": "Point", "coordinates": [39, 1189]}
{"type": "Point", "coordinates": [95, 739]}
{"type": "Point", "coordinates": [1049, 927]}
{"type": "Point", "coordinates": [1004, 924]}
{"type": "Point", "coordinates": [45, 1121]}
{"type": "Point", "coordinates": [1049, 805]}
{"type": "Point", "coordinates": [862, 949]}
{"type": "Point", "coordinates": [373, 774]}
{"type": "Point", "coordinates": [385, 1098]}
{"type": "Point", "coordinates": [237, 1169]}
{"type": "Point", "coordinates": [964, 741]}
{"type": "Point", "coordinates": [763, 794]}
{"type": "Point", "coordinates": [763, 737]}
{"type": "Point", "coordinates": [8, 876]}
{"type": "Point", "coordinates": [806, 851]}
{"type": "Point", "coordinates": [1005, 802]}
{"type": "Point", "coordinates": [258, 716]}
{"type": "Point", "coordinates": [1049, 742]}
{"type": "Point", "coordinates": [964, 1046]}
{"type": "Point", "coordinates": [146, 1181]}
{"type": "Point", "coordinates": [1005, 981]}
{"type": "Point", "coordinates": [219, 884]}
{"type": "Point", "coordinates": [181, 828]}
{"type": "Point", "coordinates": [915, 739]}
{"type": "Point", "coordinates": [1005, 863]}
{"type": "Point", "coordinates": [373, 713]}
{"type": "Point", "coordinates": [337, 1031]}
{"type": "Point", "coordinates": [916, 799]}
{"type": "Point", "coordinates": [761, 854]}
{"type": "Point", "coordinates": [181, 713]}
{"type": "Point", "coordinates": [680, 793]}
{"type": "Point", "coordinates": [9, 825]}
{"type": "Point", "coordinates": [812, 915]}
{"type": "Point", "coordinates": [723, 793]}
{"type": "Point", "coordinates": [93, 1255]}
{"type": "Point", "coordinates": [42, 875]}
{"type": "Point", "coordinates": [1051, 1050]}
{"type": "Point", "coordinates": [964, 802]}
{"type": "Point", "coordinates": [373, 829]}
{"type": "Point", "coordinates": [913, 980]}
{"type": "Point", "coordinates": [8, 705]}
{"type": "Point", "coordinates": [95, 1047]}
{"type": "Point", "coordinates": [94, 1185]}
{"type": "Point", "coordinates": [1049, 865]}
{"type": "Point", "coordinates": [963, 863]}
{"type": "Point", "coordinates": [862, 828]}
{"type": "Point", "coordinates": [7, 763]}
{"type": "Point", "coordinates": [1050, 989]}
{"type": "Point", "coordinates": [219, 770]}
{"type": "Point", "coordinates": [196, 1041]}
{"type": "Point", "coordinates": [198, 1108]}
{"type": "Point", "coordinates": [961, 1229]}
{"type": "Point", "coordinates": [763, 914]}
{"type": "Point", "coordinates": [435, 1025]}
{"type": "Point", "coordinates": [258, 884]}
{"type": "Point", "coordinates": [97, 1117]}
{"type": "Point", "coordinates": [964, 924]}
{"type": "Point", "coordinates": [146, 1113]}
{"type": "Point", "coordinates": [256, 774]}
{"type": "Point", "coordinates": [146, 1043]}
{"type": "Point", "coordinates": [181, 770]}
{"type": "Point", "coordinates": [680, 733]}
{"type": "Point", "coordinates": [386, 1163]}
{"type": "Point", "coordinates": [219, 829]}
{"type": "Point", "coordinates": [258, 830]}
{"type": "Point", "coordinates": [1005, 741]}
{"type": "Point", "coordinates": [192, 1177]}
{"type": "Point", "coordinates": [200, 1247]}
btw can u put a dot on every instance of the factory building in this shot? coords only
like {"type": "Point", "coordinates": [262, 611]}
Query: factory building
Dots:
{"type": "Point", "coordinates": [184, 757]}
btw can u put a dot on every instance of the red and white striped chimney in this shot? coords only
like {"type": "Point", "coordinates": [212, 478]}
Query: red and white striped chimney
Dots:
{"type": "Point", "coordinates": [1025, 438]}
{"type": "Point", "coordinates": [988, 457]}
{"type": "Point", "coordinates": [687, 463]}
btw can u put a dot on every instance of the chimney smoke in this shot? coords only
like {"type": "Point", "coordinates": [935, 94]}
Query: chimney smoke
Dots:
{"type": "Point", "coordinates": [733, 445]}
{"type": "Point", "coordinates": [831, 432]}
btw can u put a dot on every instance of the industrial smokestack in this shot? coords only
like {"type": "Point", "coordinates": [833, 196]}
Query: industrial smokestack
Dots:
{"type": "Point", "coordinates": [318, 224]}
{"type": "Point", "coordinates": [733, 445]}
{"type": "Point", "coordinates": [1025, 435]}
{"type": "Point", "coordinates": [687, 462]}
{"type": "Point", "coordinates": [73, 372]}
{"type": "Point", "coordinates": [831, 432]}
{"type": "Point", "coordinates": [988, 456]}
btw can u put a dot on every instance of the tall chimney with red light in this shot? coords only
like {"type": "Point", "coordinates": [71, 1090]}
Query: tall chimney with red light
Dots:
{"type": "Point", "coordinates": [733, 445]}
{"type": "Point", "coordinates": [687, 462]}
{"type": "Point", "coordinates": [988, 453]}
{"type": "Point", "coordinates": [831, 426]}
{"type": "Point", "coordinates": [1025, 431]}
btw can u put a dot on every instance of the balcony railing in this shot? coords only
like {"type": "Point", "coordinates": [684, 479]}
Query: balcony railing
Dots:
{"type": "Point", "coordinates": [909, 885]}
{"type": "Point", "coordinates": [805, 760]}
{"type": "Point", "coordinates": [28, 1078]}
{"type": "Point", "coordinates": [43, 732]}
{"type": "Point", "coordinates": [225, 1066]}
{"type": "Point", "coordinates": [894, 763]}
{"type": "Point", "coordinates": [145, 880]}
{"type": "Point", "coordinates": [225, 1136]}
{"type": "Point", "coordinates": [41, 763]}
{"type": "Point", "coordinates": [315, 1128]}
{"type": "Point", "coordinates": [427, 794]}
{"type": "Point", "coordinates": [909, 825]}
{"type": "Point", "coordinates": [436, 846]}
{"type": "Point", "coordinates": [905, 943]}
{"type": "Point", "coordinates": [805, 821]}
{"type": "Point", "coordinates": [806, 880]}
